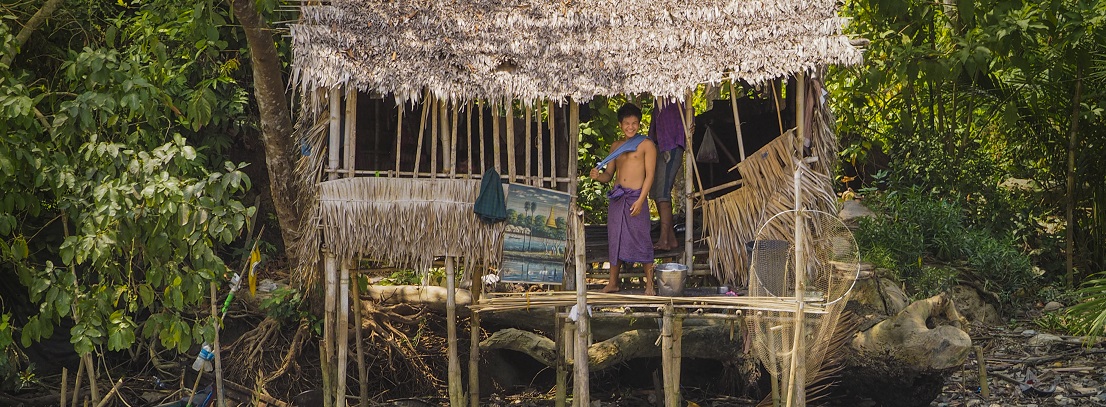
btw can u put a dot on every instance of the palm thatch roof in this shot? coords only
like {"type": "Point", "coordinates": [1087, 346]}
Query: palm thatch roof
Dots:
{"type": "Point", "coordinates": [534, 49]}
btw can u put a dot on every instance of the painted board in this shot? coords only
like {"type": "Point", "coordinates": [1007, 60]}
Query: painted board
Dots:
{"type": "Point", "coordinates": [535, 236]}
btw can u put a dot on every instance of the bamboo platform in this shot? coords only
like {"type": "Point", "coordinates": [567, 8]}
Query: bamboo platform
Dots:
{"type": "Point", "coordinates": [518, 301]}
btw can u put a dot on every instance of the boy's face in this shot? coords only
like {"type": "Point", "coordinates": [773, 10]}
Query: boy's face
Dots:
{"type": "Point", "coordinates": [630, 125]}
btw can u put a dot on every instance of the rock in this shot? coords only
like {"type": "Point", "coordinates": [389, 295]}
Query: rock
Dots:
{"type": "Point", "coordinates": [1041, 343]}
{"type": "Point", "coordinates": [1052, 306]}
{"type": "Point", "coordinates": [973, 307]}
{"type": "Point", "coordinates": [852, 210]}
{"type": "Point", "coordinates": [973, 403]}
{"type": "Point", "coordinates": [905, 359]}
{"type": "Point", "coordinates": [880, 295]}
{"type": "Point", "coordinates": [1029, 332]}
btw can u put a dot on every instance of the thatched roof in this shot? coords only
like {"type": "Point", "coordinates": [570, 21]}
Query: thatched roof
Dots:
{"type": "Point", "coordinates": [533, 49]}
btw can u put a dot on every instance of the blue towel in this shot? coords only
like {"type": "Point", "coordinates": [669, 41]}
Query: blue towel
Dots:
{"type": "Point", "coordinates": [629, 145]}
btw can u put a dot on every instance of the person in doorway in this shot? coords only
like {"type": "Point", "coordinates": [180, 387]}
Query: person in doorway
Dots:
{"type": "Point", "coordinates": [667, 131]}
{"type": "Point", "coordinates": [632, 162]}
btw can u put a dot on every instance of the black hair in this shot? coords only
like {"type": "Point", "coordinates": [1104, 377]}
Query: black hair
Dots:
{"type": "Point", "coordinates": [628, 110]}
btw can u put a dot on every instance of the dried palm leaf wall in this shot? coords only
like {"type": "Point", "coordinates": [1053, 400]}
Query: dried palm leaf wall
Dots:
{"type": "Point", "coordinates": [352, 216]}
{"type": "Point", "coordinates": [768, 188]}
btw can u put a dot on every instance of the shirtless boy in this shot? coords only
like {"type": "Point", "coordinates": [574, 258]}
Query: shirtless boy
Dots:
{"type": "Point", "coordinates": [628, 213]}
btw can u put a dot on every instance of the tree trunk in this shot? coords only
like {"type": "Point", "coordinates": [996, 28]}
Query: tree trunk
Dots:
{"type": "Point", "coordinates": [24, 34]}
{"type": "Point", "coordinates": [1069, 197]}
{"type": "Point", "coordinates": [276, 119]}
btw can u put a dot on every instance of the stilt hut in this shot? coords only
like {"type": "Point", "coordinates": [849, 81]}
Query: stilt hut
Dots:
{"type": "Point", "coordinates": [405, 104]}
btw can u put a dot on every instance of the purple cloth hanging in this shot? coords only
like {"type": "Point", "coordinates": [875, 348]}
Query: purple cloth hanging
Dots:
{"type": "Point", "coordinates": [628, 236]}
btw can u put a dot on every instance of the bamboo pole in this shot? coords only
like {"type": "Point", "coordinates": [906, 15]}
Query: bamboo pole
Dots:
{"type": "Point", "coordinates": [351, 132]}
{"type": "Point", "coordinates": [495, 138]}
{"type": "Point", "coordinates": [581, 395]}
{"type": "Point", "coordinates": [573, 145]}
{"type": "Point", "coordinates": [399, 134]}
{"type": "Point", "coordinates": [342, 333]}
{"type": "Point", "coordinates": [115, 389]}
{"type": "Point", "coordinates": [984, 388]}
{"type": "Point", "coordinates": [435, 112]}
{"type": "Point", "coordinates": [219, 391]}
{"type": "Point", "coordinates": [474, 335]}
{"type": "Point", "coordinates": [468, 138]}
{"type": "Point", "coordinates": [541, 153]}
{"type": "Point", "coordinates": [324, 365]}
{"type": "Point", "coordinates": [689, 164]}
{"type": "Point", "coordinates": [511, 169]}
{"type": "Point", "coordinates": [528, 119]}
{"type": "Point", "coordinates": [480, 137]}
{"type": "Point", "coordinates": [797, 373]}
{"type": "Point", "coordinates": [552, 144]}
{"type": "Point", "coordinates": [64, 382]}
{"type": "Point", "coordinates": [330, 319]}
{"type": "Point", "coordinates": [677, 354]}
{"type": "Point", "coordinates": [426, 106]}
{"type": "Point", "coordinates": [456, 393]}
{"type": "Point", "coordinates": [362, 371]}
{"type": "Point", "coordinates": [737, 118]}
{"type": "Point", "coordinates": [453, 141]}
{"type": "Point", "coordinates": [335, 135]}
{"type": "Point", "coordinates": [77, 384]}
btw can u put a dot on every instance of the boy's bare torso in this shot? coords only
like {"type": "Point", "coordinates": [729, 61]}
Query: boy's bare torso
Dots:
{"type": "Point", "coordinates": [630, 168]}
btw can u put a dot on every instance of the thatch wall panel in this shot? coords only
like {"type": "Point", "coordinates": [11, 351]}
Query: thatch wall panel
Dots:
{"type": "Point", "coordinates": [405, 222]}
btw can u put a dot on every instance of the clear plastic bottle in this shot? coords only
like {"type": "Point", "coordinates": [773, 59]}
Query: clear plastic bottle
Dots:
{"type": "Point", "coordinates": [204, 359]}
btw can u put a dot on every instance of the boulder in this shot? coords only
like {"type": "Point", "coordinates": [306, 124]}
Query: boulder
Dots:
{"type": "Point", "coordinates": [973, 307]}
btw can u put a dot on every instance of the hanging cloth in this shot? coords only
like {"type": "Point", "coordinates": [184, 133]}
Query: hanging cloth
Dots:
{"type": "Point", "coordinates": [629, 145]}
{"type": "Point", "coordinates": [491, 206]}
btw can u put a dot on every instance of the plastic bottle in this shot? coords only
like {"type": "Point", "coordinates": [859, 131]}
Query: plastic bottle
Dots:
{"type": "Point", "coordinates": [204, 359]}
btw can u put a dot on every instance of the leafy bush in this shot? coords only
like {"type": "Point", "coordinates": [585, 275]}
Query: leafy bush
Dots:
{"type": "Point", "coordinates": [1090, 312]}
{"type": "Point", "coordinates": [919, 236]}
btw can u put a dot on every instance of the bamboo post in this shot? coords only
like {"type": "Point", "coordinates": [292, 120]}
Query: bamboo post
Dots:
{"type": "Point", "coordinates": [797, 374]}
{"type": "Point", "coordinates": [511, 169]}
{"type": "Point", "coordinates": [541, 153]}
{"type": "Point", "coordinates": [456, 393]}
{"type": "Point", "coordinates": [559, 339]}
{"type": "Point", "coordinates": [112, 392]}
{"type": "Point", "coordinates": [221, 395]}
{"type": "Point", "coordinates": [495, 138]}
{"type": "Point", "coordinates": [64, 382]}
{"type": "Point", "coordinates": [426, 106]}
{"type": "Point", "coordinates": [449, 139]}
{"type": "Point", "coordinates": [453, 140]}
{"type": "Point", "coordinates": [399, 134]}
{"type": "Point", "coordinates": [689, 163]}
{"type": "Point", "coordinates": [581, 396]}
{"type": "Point", "coordinates": [984, 388]}
{"type": "Point", "coordinates": [737, 118]}
{"type": "Point", "coordinates": [329, 321]}
{"type": "Point", "coordinates": [434, 134]}
{"type": "Point", "coordinates": [474, 336]}
{"type": "Point", "coordinates": [480, 137]}
{"type": "Point", "coordinates": [528, 119]}
{"type": "Point", "coordinates": [324, 365]}
{"type": "Point", "coordinates": [574, 179]}
{"type": "Point", "coordinates": [468, 138]}
{"type": "Point", "coordinates": [335, 135]}
{"type": "Point", "coordinates": [351, 132]}
{"type": "Point", "coordinates": [552, 145]}
{"type": "Point", "coordinates": [668, 358]}
{"type": "Point", "coordinates": [77, 384]}
{"type": "Point", "coordinates": [677, 354]}
{"type": "Point", "coordinates": [362, 371]}
{"type": "Point", "coordinates": [342, 334]}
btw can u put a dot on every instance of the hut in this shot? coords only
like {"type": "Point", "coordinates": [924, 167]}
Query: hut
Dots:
{"type": "Point", "coordinates": [405, 105]}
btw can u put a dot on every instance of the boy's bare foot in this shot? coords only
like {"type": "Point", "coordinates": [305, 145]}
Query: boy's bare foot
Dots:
{"type": "Point", "coordinates": [650, 291]}
{"type": "Point", "coordinates": [610, 288]}
{"type": "Point", "coordinates": [665, 245]}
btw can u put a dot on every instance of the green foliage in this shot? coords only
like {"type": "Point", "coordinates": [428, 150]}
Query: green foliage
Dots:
{"type": "Point", "coordinates": [112, 214]}
{"type": "Point", "coordinates": [1090, 313]}
{"type": "Point", "coordinates": [926, 240]}
{"type": "Point", "coordinates": [402, 277]}
{"type": "Point", "coordinates": [283, 304]}
{"type": "Point", "coordinates": [965, 96]}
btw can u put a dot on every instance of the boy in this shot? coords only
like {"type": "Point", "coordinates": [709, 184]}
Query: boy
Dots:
{"type": "Point", "coordinates": [667, 130]}
{"type": "Point", "coordinates": [632, 162]}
